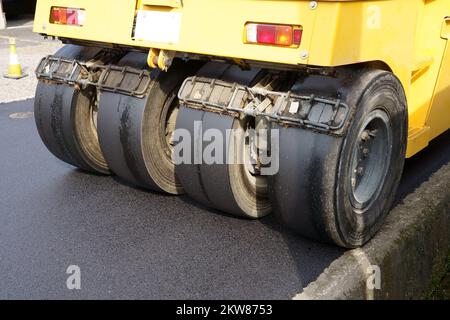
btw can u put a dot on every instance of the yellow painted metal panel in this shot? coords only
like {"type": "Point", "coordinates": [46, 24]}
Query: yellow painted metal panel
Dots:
{"type": "Point", "coordinates": [429, 49]}
{"type": "Point", "coordinates": [406, 35]}
{"type": "Point", "coordinates": [106, 21]}
{"type": "Point", "coordinates": [213, 27]}
{"type": "Point", "coordinates": [334, 33]}
{"type": "Point", "coordinates": [439, 116]}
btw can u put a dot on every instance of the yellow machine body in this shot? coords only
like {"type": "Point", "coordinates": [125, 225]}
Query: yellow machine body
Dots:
{"type": "Point", "coordinates": [408, 37]}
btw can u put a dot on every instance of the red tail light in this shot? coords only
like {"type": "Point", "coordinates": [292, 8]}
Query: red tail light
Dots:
{"type": "Point", "coordinates": [298, 33]}
{"type": "Point", "coordinates": [266, 34]}
{"type": "Point", "coordinates": [273, 34]}
{"type": "Point", "coordinates": [56, 16]}
{"type": "Point", "coordinates": [67, 16]}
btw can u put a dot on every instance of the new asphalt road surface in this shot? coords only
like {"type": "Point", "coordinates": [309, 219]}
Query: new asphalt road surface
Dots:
{"type": "Point", "coordinates": [131, 243]}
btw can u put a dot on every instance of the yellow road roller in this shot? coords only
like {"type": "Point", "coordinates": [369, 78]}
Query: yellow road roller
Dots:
{"type": "Point", "coordinates": [306, 109]}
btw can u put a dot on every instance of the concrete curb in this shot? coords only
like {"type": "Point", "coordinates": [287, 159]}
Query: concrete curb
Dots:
{"type": "Point", "coordinates": [410, 248]}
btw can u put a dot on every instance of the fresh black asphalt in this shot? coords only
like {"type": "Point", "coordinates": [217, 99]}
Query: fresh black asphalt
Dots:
{"type": "Point", "coordinates": [131, 243]}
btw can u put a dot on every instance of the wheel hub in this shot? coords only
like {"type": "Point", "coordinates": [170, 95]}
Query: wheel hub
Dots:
{"type": "Point", "coordinates": [251, 151]}
{"type": "Point", "coordinates": [169, 116]}
{"type": "Point", "coordinates": [370, 159]}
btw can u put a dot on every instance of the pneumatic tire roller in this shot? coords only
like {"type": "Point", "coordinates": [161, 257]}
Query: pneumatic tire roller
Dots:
{"type": "Point", "coordinates": [337, 140]}
{"type": "Point", "coordinates": [339, 155]}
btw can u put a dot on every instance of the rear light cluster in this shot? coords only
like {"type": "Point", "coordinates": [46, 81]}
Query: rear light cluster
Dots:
{"type": "Point", "coordinates": [67, 16]}
{"type": "Point", "coordinates": [273, 34]}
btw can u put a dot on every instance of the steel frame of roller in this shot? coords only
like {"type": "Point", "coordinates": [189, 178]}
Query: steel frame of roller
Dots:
{"type": "Point", "coordinates": [274, 123]}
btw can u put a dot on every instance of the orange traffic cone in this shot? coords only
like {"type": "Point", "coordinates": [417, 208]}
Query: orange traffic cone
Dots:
{"type": "Point", "coordinates": [14, 68]}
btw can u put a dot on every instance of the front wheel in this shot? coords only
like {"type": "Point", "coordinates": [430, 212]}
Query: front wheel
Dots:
{"type": "Point", "coordinates": [340, 189]}
{"type": "Point", "coordinates": [371, 161]}
{"type": "Point", "coordinates": [66, 118]}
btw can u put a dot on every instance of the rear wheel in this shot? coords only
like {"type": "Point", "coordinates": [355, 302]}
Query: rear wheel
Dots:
{"type": "Point", "coordinates": [136, 134]}
{"type": "Point", "coordinates": [66, 118]}
{"type": "Point", "coordinates": [229, 183]}
{"type": "Point", "coordinates": [249, 187]}
{"type": "Point", "coordinates": [371, 162]}
{"type": "Point", "coordinates": [340, 189]}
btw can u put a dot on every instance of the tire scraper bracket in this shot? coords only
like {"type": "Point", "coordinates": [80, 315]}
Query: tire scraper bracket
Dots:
{"type": "Point", "coordinates": [124, 80]}
{"type": "Point", "coordinates": [327, 116]}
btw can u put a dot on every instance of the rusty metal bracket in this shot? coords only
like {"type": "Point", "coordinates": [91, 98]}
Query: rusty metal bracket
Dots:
{"type": "Point", "coordinates": [321, 114]}
{"type": "Point", "coordinates": [123, 80]}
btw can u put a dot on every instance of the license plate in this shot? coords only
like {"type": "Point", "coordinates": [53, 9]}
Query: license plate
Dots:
{"type": "Point", "coordinates": [156, 26]}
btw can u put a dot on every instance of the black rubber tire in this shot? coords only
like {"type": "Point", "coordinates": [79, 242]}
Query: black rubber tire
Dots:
{"type": "Point", "coordinates": [131, 130]}
{"type": "Point", "coordinates": [311, 192]}
{"type": "Point", "coordinates": [221, 185]}
{"type": "Point", "coordinates": [64, 120]}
